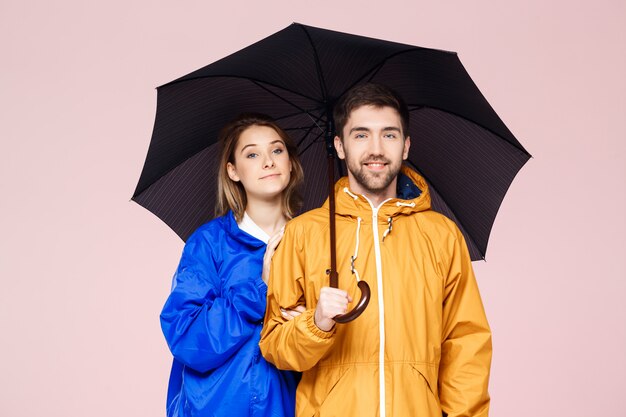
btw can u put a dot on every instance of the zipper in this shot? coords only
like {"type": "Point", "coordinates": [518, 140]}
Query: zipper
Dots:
{"type": "Point", "coordinates": [381, 308]}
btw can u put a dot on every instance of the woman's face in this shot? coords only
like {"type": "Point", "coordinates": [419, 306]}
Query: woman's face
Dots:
{"type": "Point", "coordinates": [262, 163]}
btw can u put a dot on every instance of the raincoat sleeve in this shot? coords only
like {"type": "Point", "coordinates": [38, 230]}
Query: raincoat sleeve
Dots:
{"type": "Point", "coordinates": [203, 326]}
{"type": "Point", "coordinates": [297, 344]}
{"type": "Point", "coordinates": [466, 339]}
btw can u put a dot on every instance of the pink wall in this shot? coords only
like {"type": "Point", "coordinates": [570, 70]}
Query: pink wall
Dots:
{"type": "Point", "coordinates": [84, 272]}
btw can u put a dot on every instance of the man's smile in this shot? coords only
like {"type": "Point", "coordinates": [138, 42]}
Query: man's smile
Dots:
{"type": "Point", "coordinates": [375, 165]}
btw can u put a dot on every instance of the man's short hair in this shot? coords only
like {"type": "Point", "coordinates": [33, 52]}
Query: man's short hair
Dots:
{"type": "Point", "coordinates": [370, 94]}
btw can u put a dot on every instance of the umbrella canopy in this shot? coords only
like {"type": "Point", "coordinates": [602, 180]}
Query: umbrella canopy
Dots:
{"type": "Point", "coordinates": [458, 143]}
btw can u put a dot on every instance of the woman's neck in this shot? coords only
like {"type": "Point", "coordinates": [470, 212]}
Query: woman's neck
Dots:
{"type": "Point", "coordinates": [267, 215]}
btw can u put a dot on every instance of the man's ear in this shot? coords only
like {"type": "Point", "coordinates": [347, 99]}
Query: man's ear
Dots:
{"type": "Point", "coordinates": [339, 148]}
{"type": "Point", "coordinates": [407, 146]}
{"type": "Point", "coordinates": [232, 172]}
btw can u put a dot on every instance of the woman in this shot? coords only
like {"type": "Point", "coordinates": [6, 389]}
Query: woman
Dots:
{"type": "Point", "coordinates": [213, 317]}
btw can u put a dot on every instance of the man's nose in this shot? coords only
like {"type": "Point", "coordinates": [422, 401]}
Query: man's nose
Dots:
{"type": "Point", "coordinates": [376, 146]}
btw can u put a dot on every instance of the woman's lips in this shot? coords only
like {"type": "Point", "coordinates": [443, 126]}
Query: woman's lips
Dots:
{"type": "Point", "coordinates": [270, 176]}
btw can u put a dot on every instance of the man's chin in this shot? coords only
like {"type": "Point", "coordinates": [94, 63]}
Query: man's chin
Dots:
{"type": "Point", "coordinates": [375, 183]}
{"type": "Point", "coordinates": [376, 186]}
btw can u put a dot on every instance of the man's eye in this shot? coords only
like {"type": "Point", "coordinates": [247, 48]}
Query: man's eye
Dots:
{"type": "Point", "coordinates": [391, 136]}
{"type": "Point", "coordinates": [360, 136]}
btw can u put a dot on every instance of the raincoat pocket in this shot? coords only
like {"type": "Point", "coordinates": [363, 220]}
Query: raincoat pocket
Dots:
{"type": "Point", "coordinates": [322, 392]}
{"type": "Point", "coordinates": [427, 388]}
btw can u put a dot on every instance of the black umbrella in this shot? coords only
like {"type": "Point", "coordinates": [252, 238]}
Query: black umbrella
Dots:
{"type": "Point", "coordinates": [458, 143]}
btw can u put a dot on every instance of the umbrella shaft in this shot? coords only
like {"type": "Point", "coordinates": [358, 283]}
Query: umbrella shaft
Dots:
{"type": "Point", "coordinates": [333, 278]}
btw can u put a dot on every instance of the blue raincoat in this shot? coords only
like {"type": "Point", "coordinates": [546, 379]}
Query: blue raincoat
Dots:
{"type": "Point", "coordinates": [212, 322]}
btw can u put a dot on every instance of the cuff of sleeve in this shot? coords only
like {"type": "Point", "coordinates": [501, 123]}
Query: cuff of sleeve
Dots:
{"type": "Point", "coordinates": [312, 327]}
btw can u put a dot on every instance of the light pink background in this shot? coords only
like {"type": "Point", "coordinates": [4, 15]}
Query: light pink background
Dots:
{"type": "Point", "coordinates": [84, 272]}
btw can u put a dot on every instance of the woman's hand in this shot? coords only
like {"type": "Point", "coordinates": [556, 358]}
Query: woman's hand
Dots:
{"type": "Point", "coordinates": [292, 314]}
{"type": "Point", "coordinates": [269, 252]}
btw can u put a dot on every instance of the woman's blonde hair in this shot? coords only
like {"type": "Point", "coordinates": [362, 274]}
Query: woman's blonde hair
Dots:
{"type": "Point", "coordinates": [231, 195]}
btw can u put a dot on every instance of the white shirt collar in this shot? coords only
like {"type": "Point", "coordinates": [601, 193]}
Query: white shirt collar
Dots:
{"type": "Point", "coordinates": [251, 228]}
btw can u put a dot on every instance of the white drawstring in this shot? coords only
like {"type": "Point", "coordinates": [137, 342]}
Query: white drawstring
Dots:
{"type": "Point", "coordinates": [389, 221]}
{"type": "Point", "coordinates": [400, 203]}
{"type": "Point", "coordinates": [356, 251]}
{"type": "Point", "coordinates": [345, 190]}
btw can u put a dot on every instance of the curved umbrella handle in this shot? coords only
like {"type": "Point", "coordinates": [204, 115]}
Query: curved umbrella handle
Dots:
{"type": "Point", "coordinates": [360, 307]}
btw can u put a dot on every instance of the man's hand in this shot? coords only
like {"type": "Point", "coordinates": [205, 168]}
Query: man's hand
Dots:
{"type": "Point", "coordinates": [269, 252]}
{"type": "Point", "coordinates": [332, 302]}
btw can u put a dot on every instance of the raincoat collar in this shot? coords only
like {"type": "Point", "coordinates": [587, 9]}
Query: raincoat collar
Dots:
{"type": "Point", "coordinates": [250, 227]}
{"type": "Point", "coordinates": [233, 230]}
{"type": "Point", "coordinates": [413, 196]}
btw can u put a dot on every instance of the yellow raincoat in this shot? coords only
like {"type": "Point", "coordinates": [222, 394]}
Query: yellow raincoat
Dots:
{"type": "Point", "coordinates": [423, 345]}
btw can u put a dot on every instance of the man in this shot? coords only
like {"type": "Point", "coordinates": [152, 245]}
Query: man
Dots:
{"type": "Point", "coordinates": [423, 345]}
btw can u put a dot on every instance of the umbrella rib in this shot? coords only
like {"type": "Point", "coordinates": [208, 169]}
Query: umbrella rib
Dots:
{"type": "Point", "coordinates": [286, 116]}
{"type": "Point", "coordinates": [320, 74]}
{"type": "Point", "coordinates": [289, 129]}
{"type": "Point", "coordinates": [258, 84]}
{"type": "Point", "coordinates": [308, 113]}
{"type": "Point", "coordinates": [375, 71]}
{"type": "Point", "coordinates": [310, 144]}
{"type": "Point", "coordinates": [381, 64]}
{"type": "Point", "coordinates": [321, 131]}
{"type": "Point", "coordinates": [304, 138]}
{"type": "Point", "coordinates": [254, 80]}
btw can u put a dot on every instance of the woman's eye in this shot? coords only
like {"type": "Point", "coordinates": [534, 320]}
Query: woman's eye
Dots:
{"type": "Point", "coordinates": [252, 155]}
{"type": "Point", "coordinates": [278, 151]}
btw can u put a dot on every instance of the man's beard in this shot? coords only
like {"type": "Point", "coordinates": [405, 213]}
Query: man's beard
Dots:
{"type": "Point", "coordinates": [374, 183]}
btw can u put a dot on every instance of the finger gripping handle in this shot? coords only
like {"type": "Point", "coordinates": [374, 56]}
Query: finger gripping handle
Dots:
{"type": "Point", "coordinates": [360, 307]}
